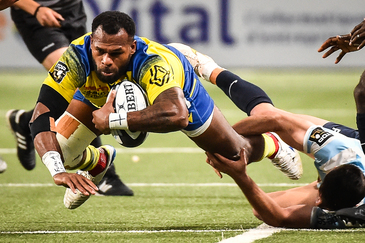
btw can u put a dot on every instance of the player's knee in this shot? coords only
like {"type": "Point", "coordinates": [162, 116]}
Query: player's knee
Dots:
{"type": "Point", "coordinates": [73, 139]}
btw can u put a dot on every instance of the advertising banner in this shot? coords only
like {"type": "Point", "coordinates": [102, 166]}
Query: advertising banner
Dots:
{"type": "Point", "coordinates": [236, 33]}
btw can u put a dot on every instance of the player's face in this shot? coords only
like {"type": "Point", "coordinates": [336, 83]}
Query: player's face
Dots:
{"type": "Point", "coordinates": [111, 54]}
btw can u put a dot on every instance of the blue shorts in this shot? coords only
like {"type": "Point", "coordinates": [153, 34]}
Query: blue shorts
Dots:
{"type": "Point", "coordinates": [200, 106]}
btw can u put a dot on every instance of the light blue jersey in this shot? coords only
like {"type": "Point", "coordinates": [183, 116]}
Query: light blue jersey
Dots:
{"type": "Point", "coordinates": [331, 149]}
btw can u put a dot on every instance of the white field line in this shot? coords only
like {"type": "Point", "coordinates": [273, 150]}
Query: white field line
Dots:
{"type": "Point", "coordinates": [162, 184]}
{"type": "Point", "coordinates": [250, 235]}
{"type": "Point", "coordinates": [119, 231]}
{"type": "Point", "coordinates": [262, 231]}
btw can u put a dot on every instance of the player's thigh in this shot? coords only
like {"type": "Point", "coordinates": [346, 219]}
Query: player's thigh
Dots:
{"type": "Point", "coordinates": [220, 137]}
{"type": "Point", "coordinates": [53, 57]}
{"type": "Point", "coordinates": [83, 113]}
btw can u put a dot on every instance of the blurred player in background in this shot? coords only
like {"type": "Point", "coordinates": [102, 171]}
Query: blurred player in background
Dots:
{"type": "Point", "coordinates": [6, 3]}
{"type": "Point", "coordinates": [3, 5]}
{"type": "Point", "coordinates": [339, 158]}
{"type": "Point", "coordinates": [47, 27]}
{"type": "Point", "coordinates": [351, 42]}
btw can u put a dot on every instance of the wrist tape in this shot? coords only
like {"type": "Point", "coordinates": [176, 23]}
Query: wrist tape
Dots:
{"type": "Point", "coordinates": [118, 120]}
{"type": "Point", "coordinates": [52, 160]}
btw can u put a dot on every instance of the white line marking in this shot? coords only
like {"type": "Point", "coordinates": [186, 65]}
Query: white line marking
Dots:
{"type": "Point", "coordinates": [119, 231]}
{"type": "Point", "coordinates": [262, 231]}
{"type": "Point", "coordinates": [162, 184]}
{"type": "Point", "coordinates": [228, 240]}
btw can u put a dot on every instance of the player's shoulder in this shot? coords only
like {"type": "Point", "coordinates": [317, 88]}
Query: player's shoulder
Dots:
{"type": "Point", "coordinates": [83, 40]}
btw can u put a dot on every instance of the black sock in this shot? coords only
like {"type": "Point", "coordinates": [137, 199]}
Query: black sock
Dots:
{"type": "Point", "coordinates": [244, 95]}
{"type": "Point", "coordinates": [96, 142]}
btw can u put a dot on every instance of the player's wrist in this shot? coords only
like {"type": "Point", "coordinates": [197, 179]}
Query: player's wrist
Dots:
{"type": "Point", "coordinates": [52, 160]}
{"type": "Point", "coordinates": [37, 9]}
{"type": "Point", "coordinates": [118, 120]}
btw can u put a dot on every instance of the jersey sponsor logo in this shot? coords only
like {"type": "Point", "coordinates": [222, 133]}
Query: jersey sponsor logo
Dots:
{"type": "Point", "coordinates": [59, 72]}
{"type": "Point", "coordinates": [159, 75]}
{"type": "Point", "coordinates": [319, 136]}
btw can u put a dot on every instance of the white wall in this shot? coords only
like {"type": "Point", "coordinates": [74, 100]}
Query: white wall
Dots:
{"type": "Point", "coordinates": [236, 33]}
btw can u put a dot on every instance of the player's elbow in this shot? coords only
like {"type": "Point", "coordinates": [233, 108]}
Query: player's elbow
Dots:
{"type": "Point", "coordinates": [180, 119]}
{"type": "Point", "coordinates": [279, 220]}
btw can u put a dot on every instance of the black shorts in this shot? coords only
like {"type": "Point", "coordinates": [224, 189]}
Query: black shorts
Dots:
{"type": "Point", "coordinates": [41, 41]}
{"type": "Point", "coordinates": [347, 131]}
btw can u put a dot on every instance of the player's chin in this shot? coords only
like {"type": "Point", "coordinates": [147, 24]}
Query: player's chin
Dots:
{"type": "Point", "coordinates": [109, 79]}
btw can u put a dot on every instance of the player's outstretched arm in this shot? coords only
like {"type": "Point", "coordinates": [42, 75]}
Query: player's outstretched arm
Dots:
{"type": "Point", "coordinates": [49, 150]}
{"type": "Point", "coordinates": [270, 212]}
{"type": "Point", "coordinates": [358, 35]}
{"type": "Point", "coordinates": [340, 42]}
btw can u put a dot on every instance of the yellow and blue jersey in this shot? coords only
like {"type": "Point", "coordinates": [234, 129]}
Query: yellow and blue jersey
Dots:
{"type": "Point", "coordinates": [155, 67]}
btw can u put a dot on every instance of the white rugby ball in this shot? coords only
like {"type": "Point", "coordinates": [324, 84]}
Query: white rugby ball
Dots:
{"type": "Point", "coordinates": [129, 97]}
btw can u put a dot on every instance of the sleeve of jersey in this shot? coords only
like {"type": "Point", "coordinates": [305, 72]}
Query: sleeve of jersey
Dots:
{"type": "Point", "coordinates": [156, 77]}
{"type": "Point", "coordinates": [66, 75]}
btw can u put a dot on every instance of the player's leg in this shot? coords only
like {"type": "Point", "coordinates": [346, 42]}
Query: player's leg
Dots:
{"type": "Point", "coordinates": [249, 98]}
{"type": "Point", "coordinates": [3, 165]}
{"type": "Point", "coordinates": [75, 131]}
{"type": "Point", "coordinates": [290, 127]}
{"type": "Point", "coordinates": [359, 95]}
{"type": "Point", "coordinates": [219, 137]}
{"type": "Point", "coordinates": [46, 45]}
{"type": "Point", "coordinates": [212, 132]}
{"type": "Point", "coordinates": [53, 57]}
{"type": "Point", "coordinates": [111, 184]}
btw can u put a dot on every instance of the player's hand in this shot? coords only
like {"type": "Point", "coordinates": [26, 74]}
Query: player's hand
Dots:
{"type": "Point", "coordinates": [49, 18]}
{"type": "Point", "coordinates": [340, 42]}
{"type": "Point", "coordinates": [230, 167]}
{"type": "Point", "coordinates": [75, 181]}
{"type": "Point", "coordinates": [6, 3]}
{"type": "Point", "coordinates": [358, 35]}
{"type": "Point", "coordinates": [101, 116]}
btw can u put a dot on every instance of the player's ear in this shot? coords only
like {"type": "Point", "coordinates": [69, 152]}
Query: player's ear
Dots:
{"type": "Point", "coordinates": [320, 202]}
{"type": "Point", "coordinates": [133, 47]}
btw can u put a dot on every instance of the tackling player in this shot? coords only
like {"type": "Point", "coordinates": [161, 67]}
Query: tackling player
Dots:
{"type": "Point", "coordinates": [94, 63]}
{"type": "Point", "coordinates": [3, 5]}
{"type": "Point", "coordinates": [339, 158]}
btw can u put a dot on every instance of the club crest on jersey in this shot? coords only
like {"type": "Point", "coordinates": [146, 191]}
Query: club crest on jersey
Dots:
{"type": "Point", "coordinates": [59, 72]}
{"type": "Point", "coordinates": [319, 136]}
{"type": "Point", "coordinates": [159, 75]}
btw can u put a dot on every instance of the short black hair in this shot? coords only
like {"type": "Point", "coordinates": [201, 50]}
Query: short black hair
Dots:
{"type": "Point", "coordinates": [342, 187]}
{"type": "Point", "coordinates": [112, 21]}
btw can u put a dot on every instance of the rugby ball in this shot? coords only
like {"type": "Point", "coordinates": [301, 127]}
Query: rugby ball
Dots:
{"type": "Point", "coordinates": [129, 97]}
